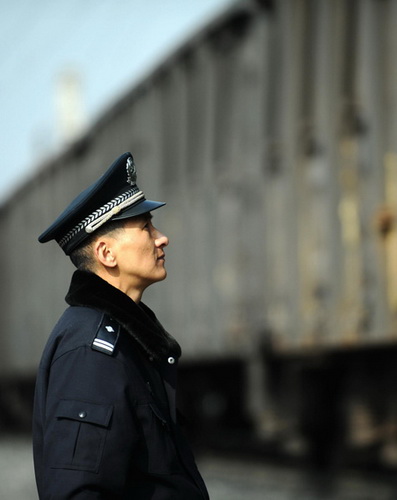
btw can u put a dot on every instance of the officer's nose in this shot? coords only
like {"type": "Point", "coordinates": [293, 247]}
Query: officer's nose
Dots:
{"type": "Point", "coordinates": [161, 239]}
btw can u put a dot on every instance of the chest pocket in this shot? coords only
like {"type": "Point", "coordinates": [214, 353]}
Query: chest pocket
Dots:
{"type": "Point", "coordinates": [161, 457]}
{"type": "Point", "coordinates": [79, 434]}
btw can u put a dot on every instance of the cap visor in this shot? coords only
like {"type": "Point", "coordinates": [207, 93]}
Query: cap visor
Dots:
{"type": "Point", "coordinates": [139, 209]}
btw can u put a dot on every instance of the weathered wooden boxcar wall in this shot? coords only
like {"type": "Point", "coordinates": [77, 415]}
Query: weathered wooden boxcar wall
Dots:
{"type": "Point", "coordinates": [271, 135]}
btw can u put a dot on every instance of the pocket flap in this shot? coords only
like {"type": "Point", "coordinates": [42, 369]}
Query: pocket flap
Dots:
{"type": "Point", "coordinates": [83, 411]}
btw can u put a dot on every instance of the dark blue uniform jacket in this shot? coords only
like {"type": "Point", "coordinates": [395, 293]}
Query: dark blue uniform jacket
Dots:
{"type": "Point", "coordinates": [105, 423]}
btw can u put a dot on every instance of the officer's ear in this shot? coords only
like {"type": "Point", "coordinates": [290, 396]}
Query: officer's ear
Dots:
{"type": "Point", "coordinates": [103, 252]}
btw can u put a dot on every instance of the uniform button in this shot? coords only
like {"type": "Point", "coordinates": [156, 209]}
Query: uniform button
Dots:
{"type": "Point", "coordinates": [82, 414]}
{"type": "Point", "coordinates": [171, 360]}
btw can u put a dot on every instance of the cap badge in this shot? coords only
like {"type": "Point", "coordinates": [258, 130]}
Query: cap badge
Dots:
{"type": "Point", "coordinates": [131, 172]}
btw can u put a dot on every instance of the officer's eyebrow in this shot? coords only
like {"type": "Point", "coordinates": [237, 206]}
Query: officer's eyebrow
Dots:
{"type": "Point", "coordinates": [145, 217]}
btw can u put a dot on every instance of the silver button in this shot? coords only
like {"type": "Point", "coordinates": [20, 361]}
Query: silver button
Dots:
{"type": "Point", "coordinates": [171, 360]}
{"type": "Point", "coordinates": [82, 414]}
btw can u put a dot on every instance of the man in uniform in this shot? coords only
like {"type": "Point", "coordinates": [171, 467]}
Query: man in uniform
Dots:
{"type": "Point", "coordinates": [105, 424]}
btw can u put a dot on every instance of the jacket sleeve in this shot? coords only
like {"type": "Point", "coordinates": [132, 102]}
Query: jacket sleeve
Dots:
{"type": "Point", "coordinates": [90, 436]}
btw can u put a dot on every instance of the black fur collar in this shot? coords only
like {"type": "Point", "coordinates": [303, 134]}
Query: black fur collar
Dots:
{"type": "Point", "coordinates": [89, 290]}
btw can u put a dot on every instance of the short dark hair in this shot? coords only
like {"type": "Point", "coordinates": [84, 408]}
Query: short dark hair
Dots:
{"type": "Point", "coordinates": [82, 257]}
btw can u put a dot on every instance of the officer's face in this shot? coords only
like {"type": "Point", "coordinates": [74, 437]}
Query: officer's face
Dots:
{"type": "Point", "coordinates": [139, 251]}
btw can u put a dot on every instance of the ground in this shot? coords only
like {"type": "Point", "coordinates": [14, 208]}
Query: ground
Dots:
{"type": "Point", "coordinates": [226, 478]}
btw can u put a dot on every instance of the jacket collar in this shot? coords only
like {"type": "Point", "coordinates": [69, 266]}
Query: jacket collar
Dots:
{"type": "Point", "coordinates": [89, 290]}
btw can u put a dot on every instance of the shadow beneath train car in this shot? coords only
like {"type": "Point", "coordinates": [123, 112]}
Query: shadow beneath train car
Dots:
{"type": "Point", "coordinates": [339, 405]}
{"type": "Point", "coordinates": [344, 402]}
{"type": "Point", "coordinates": [16, 404]}
{"type": "Point", "coordinates": [211, 400]}
{"type": "Point", "coordinates": [310, 388]}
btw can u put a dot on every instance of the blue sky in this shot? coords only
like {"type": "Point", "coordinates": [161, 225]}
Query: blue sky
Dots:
{"type": "Point", "coordinates": [109, 44]}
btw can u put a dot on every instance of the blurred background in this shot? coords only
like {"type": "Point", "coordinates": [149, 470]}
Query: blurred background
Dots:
{"type": "Point", "coordinates": [269, 127]}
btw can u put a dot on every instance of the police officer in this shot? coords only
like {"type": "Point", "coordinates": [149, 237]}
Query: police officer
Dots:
{"type": "Point", "coordinates": [105, 423]}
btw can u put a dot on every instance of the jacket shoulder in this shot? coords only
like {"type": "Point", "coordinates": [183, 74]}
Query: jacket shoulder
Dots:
{"type": "Point", "coordinates": [83, 326]}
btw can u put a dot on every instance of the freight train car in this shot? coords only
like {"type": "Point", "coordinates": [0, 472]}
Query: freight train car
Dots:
{"type": "Point", "coordinates": [271, 135]}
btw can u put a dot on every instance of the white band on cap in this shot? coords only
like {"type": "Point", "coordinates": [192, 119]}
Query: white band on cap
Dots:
{"type": "Point", "coordinates": [92, 226]}
{"type": "Point", "coordinates": [103, 214]}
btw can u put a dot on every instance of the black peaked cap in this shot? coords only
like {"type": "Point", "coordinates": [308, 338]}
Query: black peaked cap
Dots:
{"type": "Point", "coordinates": [115, 195]}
